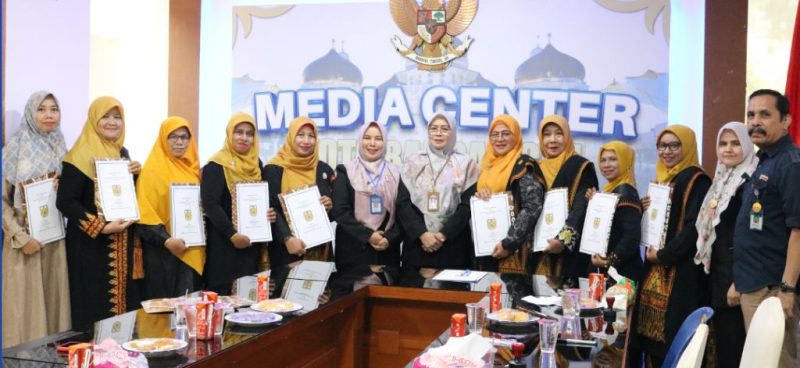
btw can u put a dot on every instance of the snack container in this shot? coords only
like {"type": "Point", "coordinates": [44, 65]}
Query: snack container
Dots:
{"type": "Point", "coordinates": [458, 325]}
{"type": "Point", "coordinates": [597, 285]}
{"type": "Point", "coordinates": [81, 356]}
{"type": "Point", "coordinates": [494, 297]}
{"type": "Point", "coordinates": [210, 296]}
{"type": "Point", "coordinates": [263, 288]}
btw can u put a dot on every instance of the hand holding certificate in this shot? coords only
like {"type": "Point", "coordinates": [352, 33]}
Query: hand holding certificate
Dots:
{"type": "Point", "coordinates": [552, 219]}
{"type": "Point", "coordinates": [654, 221]}
{"type": "Point", "coordinates": [490, 222]}
{"type": "Point", "coordinates": [306, 282]}
{"type": "Point", "coordinates": [307, 217]}
{"type": "Point", "coordinates": [597, 225]}
{"type": "Point", "coordinates": [251, 203]}
{"type": "Point", "coordinates": [186, 218]}
{"type": "Point", "coordinates": [45, 223]}
{"type": "Point", "coordinates": [116, 191]}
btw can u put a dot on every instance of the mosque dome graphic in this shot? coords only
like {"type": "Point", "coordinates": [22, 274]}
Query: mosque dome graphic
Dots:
{"type": "Point", "coordinates": [332, 69]}
{"type": "Point", "coordinates": [550, 68]}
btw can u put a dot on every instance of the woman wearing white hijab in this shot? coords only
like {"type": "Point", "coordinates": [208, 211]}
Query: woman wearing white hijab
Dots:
{"type": "Point", "coordinates": [437, 178]}
{"type": "Point", "coordinates": [736, 159]}
{"type": "Point", "coordinates": [35, 287]}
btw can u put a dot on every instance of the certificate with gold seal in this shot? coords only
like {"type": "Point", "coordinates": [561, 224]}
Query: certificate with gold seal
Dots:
{"type": "Point", "coordinates": [597, 224]}
{"type": "Point", "coordinates": [116, 191]}
{"type": "Point", "coordinates": [250, 206]}
{"type": "Point", "coordinates": [186, 218]}
{"type": "Point", "coordinates": [490, 221]}
{"type": "Point", "coordinates": [654, 220]}
{"type": "Point", "coordinates": [307, 217]}
{"type": "Point", "coordinates": [45, 223]}
{"type": "Point", "coordinates": [552, 218]}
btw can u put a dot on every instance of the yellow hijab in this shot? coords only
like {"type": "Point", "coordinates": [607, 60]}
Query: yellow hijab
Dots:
{"type": "Point", "coordinates": [551, 165]}
{"type": "Point", "coordinates": [238, 167]}
{"type": "Point", "coordinates": [297, 171]}
{"type": "Point", "coordinates": [90, 143]}
{"type": "Point", "coordinates": [689, 147]}
{"type": "Point", "coordinates": [626, 157]}
{"type": "Point", "coordinates": [496, 170]}
{"type": "Point", "coordinates": [159, 171]}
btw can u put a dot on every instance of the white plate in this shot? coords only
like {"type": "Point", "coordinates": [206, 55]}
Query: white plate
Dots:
{"type": "Point", "coordinates": [147, 346]}
{"type": "Point", "coordinates": [253, 318]}
{"type": "Point", "coordinates": [261, 306]}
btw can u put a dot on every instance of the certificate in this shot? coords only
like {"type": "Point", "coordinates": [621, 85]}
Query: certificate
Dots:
{"type": "Point", "coordinates": [186, 218]}
{"type": "Point", "coordinates": [490, 222]}
{"type": "Point", "coordinates": [306, 282]}
{"type": "Point", "coordinates": [597, 225]}
{"type": "Point", "coordinates": [654, 221]}
{"type": "Point", "coordinates": [552, 219]}
{"type": "Point", "coordinates": [116, 191]}
{"type": "Point", "coordinates": [119, 328]}
{"type": "Point", "coordinates": [250, 206]}
{"type": "Point", "coordinates": [45, 223]}
{"type": "Point", "coordinates": [460, 275]}
{"type": "Point", "coordinates": [307, 217]}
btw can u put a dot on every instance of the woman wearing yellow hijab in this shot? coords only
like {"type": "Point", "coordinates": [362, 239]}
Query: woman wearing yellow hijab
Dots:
{"type": "Point", "coordinates": [616, 164]}
{"type": "Point", "coordinates": [673, 285]}
{"type": "Point", "coordinates": [103, 258]}
{"type": "Point", "coordinates": [230, 255]}
{"type": "Point", "coordinates": [170, 268]}
{"type": "Point", "coordinates": [295, 166]}
{"type": "Point", "coordinates": [562, 167]}
{"type": "Point", "coordinates": [505, 168]}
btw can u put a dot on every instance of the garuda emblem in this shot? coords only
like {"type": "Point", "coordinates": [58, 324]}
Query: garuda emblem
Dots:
{"type": "Point", "coordinates": [308, 215]}
{"type": "Point", "coordinates": [433, 26]}
{"type": "Point", "coordinates": [548, 218]}
{"type": "Point", "coordinates": [116, 189]}
{"type": "Point", "coordinates": [253, 210]}
{"type": "Point", "coordinates": [187, 214]}
{"type": "Point", "coordinates": [596, 223]}
{"type": "Point", "coordinates": [491, 223]}
{"type": "Point", "coordinates": [44, 210]}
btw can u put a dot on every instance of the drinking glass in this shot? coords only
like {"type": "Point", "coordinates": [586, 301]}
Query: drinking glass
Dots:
{"type": "Point", "coordinates": [476, 317]}
{"type": "Point", "coordinates": [548, 335]}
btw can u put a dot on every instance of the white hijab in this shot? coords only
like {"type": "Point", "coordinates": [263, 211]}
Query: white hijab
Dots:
{"type": "Point", "coordinates": [726, 181]}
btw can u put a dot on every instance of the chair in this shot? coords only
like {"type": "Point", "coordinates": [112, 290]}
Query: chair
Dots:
{"type": "Point", "coordinates": [762, 347]}
{"type": "Point", "coordinates": [684, 335]}
{"type": "Point", "coordinates": [692, 356]}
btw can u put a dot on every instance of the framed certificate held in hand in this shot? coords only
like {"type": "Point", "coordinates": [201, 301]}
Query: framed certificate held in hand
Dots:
{"type": "Point", "coordinates": [250, 206]}
{"type": "Point", "coordinates": [45, 223]}
{"type": "Point", "coordinates": [116, 191]}
{"type": "Point", "coordinates": [307, 217]}
{"type": "Point", "coordinates": [552, 218]}
{"type": "Point", "coordinates": [597, 224]}
{"type": "Point", "coordinates": [186, 218]}
{"type": "Point", "coordinates": [654, 220]}
{"type": "Point", "coordinates": [490, 221]}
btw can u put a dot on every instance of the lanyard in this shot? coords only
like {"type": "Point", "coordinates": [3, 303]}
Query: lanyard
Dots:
{"type": "Point", "coordinates": [377, 180]}
{"type": "Point", "coordinates": [436, 176]}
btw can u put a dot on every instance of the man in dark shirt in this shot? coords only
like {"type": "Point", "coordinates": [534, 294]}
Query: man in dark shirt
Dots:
{"type": "Point", "coordinates": [767, 235]}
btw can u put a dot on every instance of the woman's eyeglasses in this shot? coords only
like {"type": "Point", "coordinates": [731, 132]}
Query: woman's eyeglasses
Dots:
{"type": "Point", "coordinates": [497, 135]}
{"type": "Point", "coordinates": [661, 147]}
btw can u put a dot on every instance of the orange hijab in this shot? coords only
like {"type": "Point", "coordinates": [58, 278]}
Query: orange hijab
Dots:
{"type": "Point", "coordinates": [91, 144]}
{"type": "Point", "coordinates": [688, 145]}
{"type": "Point", "coordinates": [552, 165]}
{"type": "Point", "coordinates": [238, 167]}
{"type": "Point", "coordinates": [496, 170]}
{"type": "Point", "coordinates": [298, 171]}
{"type": "Point", "coordinates": [162, 169]}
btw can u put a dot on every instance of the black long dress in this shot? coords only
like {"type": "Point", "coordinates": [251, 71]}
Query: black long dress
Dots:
{"type": "Point", "coordinates": [728, 321]}
{"type": "Point", "coordinates": [224, 262]}
{"type": "Point", "coordinates": [626, 234]}
{"type": "Point", "coordinates": [676, 286]}
{"type": "Point", "coordinates": [455, 253]}
{"type": "Point", "coordinates": [167, 275]}
{"type": "Point", "coordinates": [279, 257]}
{"type": "Point", "coordinates": [354, 255]}
{"type": "Point", "coordinates": [101, 267]}
{"type": "Point", "coordinates": [577, 175]}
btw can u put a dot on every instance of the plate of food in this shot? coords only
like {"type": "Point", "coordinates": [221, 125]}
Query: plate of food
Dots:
{"type": "Point", "coordinates": [280, 306]}
{"type": "Point", "coordinates": [253, 319]}
{"type": "Point", "coordinates": [155, 347]}
{"type": "Point", "coordinates": [236, 301]}
{"type": "Point", "coordinates": [160, 305]}
{"type": "Point", "coordinates": [512, 316]}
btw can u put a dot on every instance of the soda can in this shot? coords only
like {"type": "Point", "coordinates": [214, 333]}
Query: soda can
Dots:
{"type": "Point", "coordinates": [495, 291]}
{"type": "Point", "coordinates": [263, 288]}
{"type": "Point", "coordinates": [597, 286]}
{"type": "Point", "coordinates": [458, 325]}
